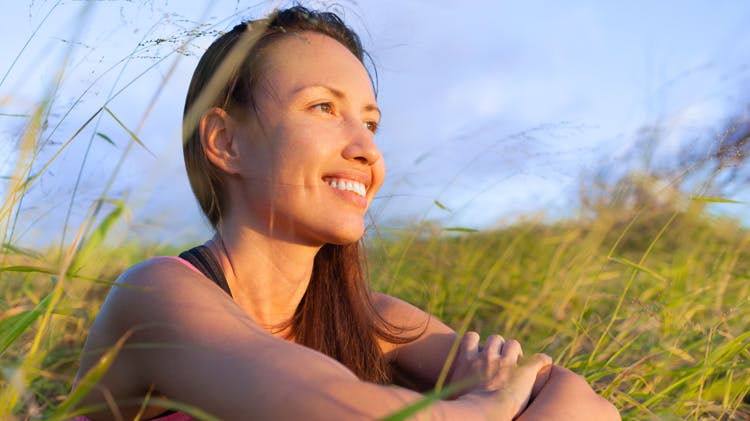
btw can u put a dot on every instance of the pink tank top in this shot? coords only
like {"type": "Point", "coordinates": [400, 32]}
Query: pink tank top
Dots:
{"type": "Point", "coordinates": [173, 416]}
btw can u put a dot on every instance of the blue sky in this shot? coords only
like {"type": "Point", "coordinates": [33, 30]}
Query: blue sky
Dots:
{"type": "Point", "coordinates": [494, 108]}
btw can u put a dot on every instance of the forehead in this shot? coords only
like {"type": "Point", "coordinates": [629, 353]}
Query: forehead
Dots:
{"type": "Point", "coordinates": [302, 59]}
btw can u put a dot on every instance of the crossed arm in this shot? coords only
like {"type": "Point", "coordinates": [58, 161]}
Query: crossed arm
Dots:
{"type": "Point", "coordinates": [557, 393]}
{"type": "Point", "coordinates": [192, 344]}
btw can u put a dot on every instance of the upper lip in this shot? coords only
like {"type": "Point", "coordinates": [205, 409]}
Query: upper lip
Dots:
{"type": "Point", "coordinates": [357, 176]}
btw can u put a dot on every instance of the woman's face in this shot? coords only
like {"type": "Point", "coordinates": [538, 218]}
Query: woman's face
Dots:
{"type": "Point", "coordinates": [309, 166]}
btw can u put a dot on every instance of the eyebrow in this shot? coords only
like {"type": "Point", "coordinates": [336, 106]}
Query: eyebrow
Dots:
{"type": "Point", "coordinates": [338, 94]}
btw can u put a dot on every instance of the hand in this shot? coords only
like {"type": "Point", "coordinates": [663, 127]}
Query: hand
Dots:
{"type": "Point", "coordinates": [495, 371]}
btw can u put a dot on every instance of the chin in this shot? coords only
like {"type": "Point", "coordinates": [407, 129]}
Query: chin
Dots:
{"type": "Point", "coordinates": [342, 241]}
{"type": "Point", "coordinates": [343, 237]}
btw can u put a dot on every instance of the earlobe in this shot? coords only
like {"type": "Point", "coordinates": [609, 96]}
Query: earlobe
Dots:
{"type": "Point", "coordinates": [217, 129]}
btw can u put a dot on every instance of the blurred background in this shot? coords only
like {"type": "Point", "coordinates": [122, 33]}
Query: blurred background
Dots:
{"type": "Point", "coordinates": [494, 111]}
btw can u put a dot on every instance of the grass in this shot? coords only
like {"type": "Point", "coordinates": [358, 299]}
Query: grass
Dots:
{"type": "Point", "coordinates": [648, 302]}
{"type": "Point", "coordinates": [651, 308]}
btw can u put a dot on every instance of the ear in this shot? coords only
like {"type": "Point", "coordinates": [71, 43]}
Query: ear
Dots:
{"type": "Point", "coordinates": [217, 130]}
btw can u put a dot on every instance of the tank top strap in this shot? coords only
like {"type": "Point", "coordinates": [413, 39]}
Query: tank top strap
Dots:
{"type": "Point", "coordinates": [203, 260]}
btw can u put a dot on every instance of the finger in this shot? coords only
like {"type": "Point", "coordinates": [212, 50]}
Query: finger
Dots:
{"type": "Point", "coordinates": [538, 364]}
{"type": "Point", "coordinates": [511, 352]}
{"type": "Point", "coordinates": [470, 344]}
{"type": "Point", "coordinates": [539, 361]}
{"type": "Point", "coordinates": [542, 374]}
{"type": "Point", "coordinates": [540, 367]}
{"type": "Point", "coordinates": [494, 347]}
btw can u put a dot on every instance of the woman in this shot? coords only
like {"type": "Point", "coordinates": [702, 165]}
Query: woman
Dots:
{"type": "Point", "coordinates": [272, 318]}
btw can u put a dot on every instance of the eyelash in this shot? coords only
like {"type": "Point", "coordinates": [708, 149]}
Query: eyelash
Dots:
{"type": "Point", "coordinates": [327, 108]}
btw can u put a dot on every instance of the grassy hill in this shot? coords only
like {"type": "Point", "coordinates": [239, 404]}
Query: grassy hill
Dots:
{"type": "Point", "coordinates": [651, 306]}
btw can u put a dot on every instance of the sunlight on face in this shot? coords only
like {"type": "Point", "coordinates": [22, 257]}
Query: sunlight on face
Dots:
{"type": "Point", "coordinates": [310, 166]}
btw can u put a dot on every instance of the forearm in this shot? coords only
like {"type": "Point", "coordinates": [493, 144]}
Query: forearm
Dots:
{"type": "Point", "coordinates": [566, 395]}
{"type": "Point", "coordinates": [276, 388]}
{"type": "Point", "coordinates": [374, 402]}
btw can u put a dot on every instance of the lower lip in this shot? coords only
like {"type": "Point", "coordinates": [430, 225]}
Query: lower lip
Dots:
{"type": "Point", "coordinates": [351, 197]}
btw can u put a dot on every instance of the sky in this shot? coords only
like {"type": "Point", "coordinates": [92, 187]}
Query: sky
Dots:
{"type": "Point", "coordinates": [495, 109]}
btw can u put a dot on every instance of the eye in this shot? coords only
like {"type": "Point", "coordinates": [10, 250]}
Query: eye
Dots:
{"type": "Point", "coordinates": [371, 126]}
{"type": "Point", "coordinates": [325, 107]}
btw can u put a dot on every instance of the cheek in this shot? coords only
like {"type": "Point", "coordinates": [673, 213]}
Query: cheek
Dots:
{"type": "Point", "coordinates": [257, 160]}
{"type": "Point", "coordinates": [296, 138]}
{"type": "Point", "coordinates": [283, 148]}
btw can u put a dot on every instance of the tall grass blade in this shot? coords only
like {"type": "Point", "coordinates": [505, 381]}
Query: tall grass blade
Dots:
{"type": "Point", "coordinates": [428, 399]}
{"type": "Point", "coordinates": [130, 132]}
{"type": "Point", "coordinates": [22, 187]}
{"type": "Point", "coordinates": [460, 229]}
{"type": "Point", "coordinates": [48, 271]}
{"type": "Point", "coordinates": [639, 267]}
{"type": "Point", "coordinates": [715, 200]}
{"type": "Point", "coordinates": [90, 379]}
{"type": "Point", "coordinates": [631, 280]}
{"type": "Point", "coordinates": [97, 237]}
{"type": "Point", "coordinates": [441, 206]}
{"type": "Point", "coordinates": [14, 326]}
{"type": "Point", "coordinates": [28, 41]}
{"type": "Point", "coordinates": [190, 410]}
{"type": "Point", "coordinates": [7, 247]}
{"type": "Point", "coordinates": [107, 138]}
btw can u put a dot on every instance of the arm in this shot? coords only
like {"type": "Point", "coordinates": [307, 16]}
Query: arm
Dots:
{"type": "Point", "coordinates": [421, 360]}
{"type": "Point", "coordinates": [557, 394]}
{"type": "Point", "coordinates": [206, 352]}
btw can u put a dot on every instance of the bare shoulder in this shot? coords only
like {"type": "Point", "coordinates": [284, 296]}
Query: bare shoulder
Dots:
{"type": "Point", "coordinates": [160, 306]}
{"type": "Point", "coordinates": [404, 315]}
{"type": "Point", "coordinates": [155, 292]}
{"type": "Point", "coordinates": [162, 295]}
{"type": "Point", "coordinates": [413, 321]}
{"type": "Point", "coordinates": [163, 275]}
{"type": "Point", "coordinates": [394, 308]}
{"type": "Point", "coordinates": [141, 292]}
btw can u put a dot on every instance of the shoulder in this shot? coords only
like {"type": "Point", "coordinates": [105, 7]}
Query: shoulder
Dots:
{"type": "Point", "coordinates": [171, 317]}
{"type": "Point", "coordinates": [153, 301]}
{"type": "Point", "coordinates": [163, 281]}
{"type": "Point", "coordinates": [163, 291]}
{"type": "Point", "coordinates": [418, 361]}
{"type": "Point", "coordinates": [146, 293]}
{"type": "Point", "coordinates": [158, 272]}
{"type": "Point", "coordinates": [399, 313]}
{"type": "Point", "coordinates": [181, 327]}
{"type": "Point", "coordinates": [408, 318]}
{"type": "Point", "coordinates": [385, 303]}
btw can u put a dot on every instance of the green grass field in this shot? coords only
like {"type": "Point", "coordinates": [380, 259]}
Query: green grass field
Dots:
{"type": "Point", "coordinates": [652, 307]}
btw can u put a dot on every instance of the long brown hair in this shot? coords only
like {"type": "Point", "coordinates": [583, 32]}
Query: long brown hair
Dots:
{"type": "Point", "coordinates": [336, 315]}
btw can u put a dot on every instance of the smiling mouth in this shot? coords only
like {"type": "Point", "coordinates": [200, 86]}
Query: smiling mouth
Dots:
{"type": "Point", "coordinates": [347, 185]}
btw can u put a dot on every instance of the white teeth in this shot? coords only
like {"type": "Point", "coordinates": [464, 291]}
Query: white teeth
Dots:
{"type": "Point", "coordinates": [348, 185]}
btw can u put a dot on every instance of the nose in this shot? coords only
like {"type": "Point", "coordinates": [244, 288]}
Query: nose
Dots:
{"type": "Point", "coordinates": [361, 146]}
